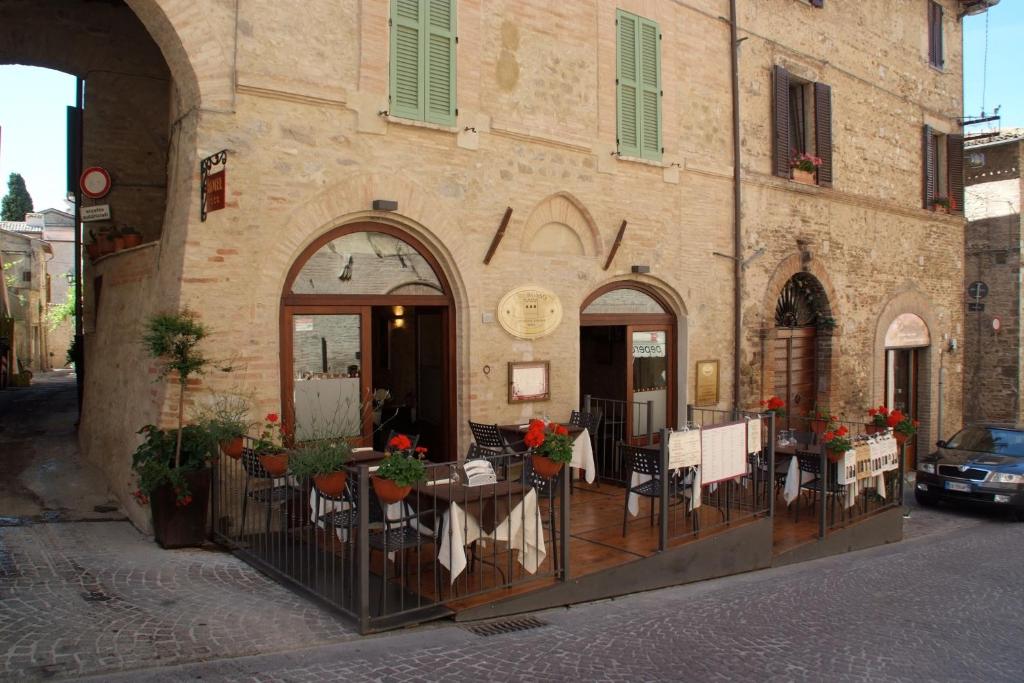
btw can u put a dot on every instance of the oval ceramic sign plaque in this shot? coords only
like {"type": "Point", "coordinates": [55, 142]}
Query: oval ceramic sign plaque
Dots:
{"type": "Point", "coordinates": [529, 312]}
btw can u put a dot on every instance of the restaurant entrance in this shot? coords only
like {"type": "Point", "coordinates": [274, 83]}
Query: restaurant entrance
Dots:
{"type": "Point", "coordinates": [906, 341]}
{"type": "Point", "coordinates": [627, 368]}
{"type": "Point", "coordinates": [793, 354]}
{"type": "Point", "coordinates": [366, 339]}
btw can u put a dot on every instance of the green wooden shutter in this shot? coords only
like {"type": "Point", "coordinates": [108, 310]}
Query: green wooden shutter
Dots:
{"type": "Point", "coordinates": [440, 60]}
{"type": "Point", "coordinates": [627, 86]}
{"type": "Point", "coordinates": [650, 90]}
{"type": "Point", "coordinates": [407, 65]}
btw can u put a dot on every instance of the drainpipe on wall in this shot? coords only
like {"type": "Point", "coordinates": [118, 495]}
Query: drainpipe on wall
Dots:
{"type": "Point", "coordinates": [734, 47]}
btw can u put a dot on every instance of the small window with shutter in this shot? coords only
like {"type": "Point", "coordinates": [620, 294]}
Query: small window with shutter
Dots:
{"type": "Point", "coordinates": [423, 60]}
{"type": "Point", "coordinates": [802, 121]}
{"type": "Point", "coordinates": [943, 171]}
{"type": "Point", "coordinates": [638, 86]}
{"type": "Point", "coordinates": [935, 34]}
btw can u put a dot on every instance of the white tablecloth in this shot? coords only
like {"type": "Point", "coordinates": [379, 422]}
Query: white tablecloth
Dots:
{"type": "Point", "coordinates": [523, 530]}
{"type": "Point", "coordinates": [794, 475]}
{"type": "Point", "coordinates": [583, 456]}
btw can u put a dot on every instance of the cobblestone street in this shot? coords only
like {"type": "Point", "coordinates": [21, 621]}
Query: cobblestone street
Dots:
{"type": "Point", "coordinates": [87, 595]}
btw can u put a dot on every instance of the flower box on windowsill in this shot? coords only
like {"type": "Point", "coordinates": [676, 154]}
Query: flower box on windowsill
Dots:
{"type": "Point", "coordinates": [938, 208]}
{"type": "Point", "coordinates": [805, 177]}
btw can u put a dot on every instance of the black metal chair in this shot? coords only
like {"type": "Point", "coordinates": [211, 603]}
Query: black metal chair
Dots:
{"type": "Point", "coordinates": [810, 463]}
{"type": "Point", "coordinates": [274, 495]}
{"type": "Point", "coordinates": [348, 516]}
{"type": "Point", "coordinates": [489, 436]}
{"type": "Point", "coordinates": [400, 534]}
{"type": "Point", "coordinates": [477, 452]}
{"type": "Point", "coordinates": [551, 489]}
{"type": "Point", "coordinates": [641, 461]}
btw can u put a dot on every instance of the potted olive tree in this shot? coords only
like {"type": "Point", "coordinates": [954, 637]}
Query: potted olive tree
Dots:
{"type": "Point", "coordinates": [173, 465]}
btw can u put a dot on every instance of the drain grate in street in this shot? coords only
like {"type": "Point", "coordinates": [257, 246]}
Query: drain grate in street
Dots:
{"type": "Point", "coordinates": [496, 628]}
{"type": "Point", "coordinates": [95, 596]}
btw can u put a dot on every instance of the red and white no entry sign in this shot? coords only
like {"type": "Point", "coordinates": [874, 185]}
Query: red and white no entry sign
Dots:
{"type": "Point", "coordinates": [95, 182]}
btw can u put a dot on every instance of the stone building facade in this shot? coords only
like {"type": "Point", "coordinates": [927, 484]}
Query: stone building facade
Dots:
{"type": "Point", "coordinates": [992, 242]}
{"type": "Point", "coordinates": [316, 129]}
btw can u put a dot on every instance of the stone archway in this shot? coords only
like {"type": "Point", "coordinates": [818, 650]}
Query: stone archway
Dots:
{"type": "Point", "coordinates": [798, 320]}
{"type": "Point", "coordinates": [913, 302]}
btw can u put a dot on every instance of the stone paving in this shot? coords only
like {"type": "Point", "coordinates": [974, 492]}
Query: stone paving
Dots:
{"type": "Point", "coordinates": [78, 598]}
{"type": "Point", "coordinates": [942, 607]}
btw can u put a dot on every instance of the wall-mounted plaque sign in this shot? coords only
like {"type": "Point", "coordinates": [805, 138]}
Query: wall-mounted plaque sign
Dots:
{"type": "Point", "coordinates": [213, 183]}
{"type": "Point", "coordinates": [529, 381]}
{"type": "Point", "coordinates": [96, 212]}
{"type": "Point", "coordinates": [529, 312]}
{"type": "Point", "coordinates": [707, 383]}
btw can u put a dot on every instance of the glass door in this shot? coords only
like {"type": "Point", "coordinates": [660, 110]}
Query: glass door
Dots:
{"type": "Point", "coordinates": [901, 392]}
{"type": "Point", "coordinates": [330, 376]}
{"type": "Point", "coordinates": [649, 382]}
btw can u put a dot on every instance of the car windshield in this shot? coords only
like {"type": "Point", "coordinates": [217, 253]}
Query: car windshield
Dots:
{"type": "Point", "coordinates": [989, 440]}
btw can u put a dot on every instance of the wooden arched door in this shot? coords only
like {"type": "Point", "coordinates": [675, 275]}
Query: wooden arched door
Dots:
{"type": "Point", "coordinates": [794, 352]}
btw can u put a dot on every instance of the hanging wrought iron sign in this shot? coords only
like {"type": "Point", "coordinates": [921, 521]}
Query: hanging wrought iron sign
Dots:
{"type": "Point", "coordinates": [213, 183]}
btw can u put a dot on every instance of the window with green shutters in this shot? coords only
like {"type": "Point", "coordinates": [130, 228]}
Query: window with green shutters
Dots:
{"type": "Point", "coordinates": [423, 60]}
{"type": "Point", "coordinates": [638, 86]}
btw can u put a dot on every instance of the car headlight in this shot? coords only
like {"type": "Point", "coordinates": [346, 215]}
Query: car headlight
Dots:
{"type": "Point", "coordinates": [926, 467]}
{"type": "Point", "coordinates": [1005, 478]}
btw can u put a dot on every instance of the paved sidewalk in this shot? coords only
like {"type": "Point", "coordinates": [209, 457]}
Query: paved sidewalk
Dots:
{"type": "Point", "coordinates": [90, 597]}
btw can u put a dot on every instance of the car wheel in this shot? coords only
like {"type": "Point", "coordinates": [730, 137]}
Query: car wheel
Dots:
{"type": "Point", "coordinates": [925, 500]}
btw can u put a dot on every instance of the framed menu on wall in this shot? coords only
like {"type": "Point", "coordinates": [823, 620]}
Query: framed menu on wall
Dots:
{"type": "Point", "coordinates": [529, 381]}
{"type": "Point", "coordinates": [707, 383]}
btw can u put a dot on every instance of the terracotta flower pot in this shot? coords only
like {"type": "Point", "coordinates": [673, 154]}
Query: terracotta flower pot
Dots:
{"type": "Point", "coordinates": [132, 240]}
{"type": "Point", "coordinates": [835, 456]}
{"type": "Point", "coordinates": [93, 250]}
{"type": "Point", "coordinates": [818, 426]}
{"type": "Point", "coordinates": [805, 177]}
{"type": "Point", "coordinates": [901, 438]}
{"type": "Point", "coordinates": [332, 484]}
{"type": "Point", "coordinates": [546, 467]}
{"type": "Point", "coordinates": [873, 429]}
{"type": "Point", "coordinates": [388, 491]}
{"type": "Point", "coordinates": [275, 464]}
{"type": "Point", "coordinates": [105, 245]}
{"type": "Point", "coordinates": [118, 243]}
{"type": "Point", "coordinates": [232, 447]}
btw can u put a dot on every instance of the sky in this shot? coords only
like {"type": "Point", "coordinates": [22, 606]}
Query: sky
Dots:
{"type": "Point", "coordinates": [33, 119]}
{"type": "Point", "coordinates": [1004, 84]}
{"type": "Point", "coordinates": [33, 101]}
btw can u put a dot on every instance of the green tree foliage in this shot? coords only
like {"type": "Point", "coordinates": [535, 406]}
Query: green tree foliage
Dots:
{"type": "Point", "coordinates": [17, 202]}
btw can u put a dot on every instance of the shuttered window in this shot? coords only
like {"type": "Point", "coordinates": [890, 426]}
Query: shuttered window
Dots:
{"type": "Point", "coordinates": [638, 86]}
{"type": "Point", "coordinates": [943, 169]}
{"type": "Point", "coordinates": [423, 60]}
{"type": "Point", "coordinates": [789, 124]}
{"type": "Point", "coordinates": [935, 34]}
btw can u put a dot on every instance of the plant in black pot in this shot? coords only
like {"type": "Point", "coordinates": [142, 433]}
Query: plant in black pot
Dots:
{"type": "Point", "coordinates": [174, 479]}
{"type": "Point", "coordinates": [173, 340]}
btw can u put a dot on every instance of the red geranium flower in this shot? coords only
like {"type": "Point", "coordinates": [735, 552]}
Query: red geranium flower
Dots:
{"type": "Point", "coordinates": [534, 437]}
{"type": "Point", "coordinates": [895, 417]}
{"type": "Point", "coordinates": [421, 449]}
{"type": "Point", "coordinates": [560, 430]}
{"type": "Point", "coordinates": [842, 431]}
{"type": "Point", "coordinates": [272, 417]}
{"type": "Point", "coordinates": [829, 436]}
{"type": "Point", "coordinates": [400, 442]}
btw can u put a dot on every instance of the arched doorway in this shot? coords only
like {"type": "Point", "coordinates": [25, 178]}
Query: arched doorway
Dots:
{"type": "Point", "coordinates": [627, 365]}
{"type": "Point", "coordinates": [367, 335]}
{"type": "Point", "coordinates": [906, 341]}
{"type": "Point", "coordinates": [794, 358]}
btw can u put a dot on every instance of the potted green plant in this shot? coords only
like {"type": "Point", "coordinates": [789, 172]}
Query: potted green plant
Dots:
{"type": "Point", "coordinates": [174, 479]}
{"type": "Point", "coordinates": [93, 247]}
{"type": "Point", "coordinates": [270, 446]}
{"type": "Point", "coordinates": [903, 427]}
{"type": "Point", "coordinates": [820, 420]}
{"type": "Point", "coordinates": [804, 166]}
{"type": "Point", "coordinates": [227, 419]}
{"type": "Point", "coordinates": [399, 470]}
{"type": "Point", "coordinates": [552, 447]}
{"type": "Point", "coordinates": [117, 238]}
{"type": "Point", "coordinates": [837, 442]}
{"type": "Point", "coordinates": [940, 204]}
{"type": "Point", "coordinates": [173, 340]}
{"type": "Point", "coordinates": [323, 461]}
{"type": "Point", "coordinates": [131, 236]}
{"type": "Point", "coordinates": [879, 420]}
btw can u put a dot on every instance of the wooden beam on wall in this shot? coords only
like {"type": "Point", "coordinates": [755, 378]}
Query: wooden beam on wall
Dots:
{"type": "Point", "coordinates": [615, 245]}
{"type": "Point", "coordinates": [498, 235]}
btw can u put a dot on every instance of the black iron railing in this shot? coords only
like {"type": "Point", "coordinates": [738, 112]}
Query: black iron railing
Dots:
{"type": "Point", "coordinates": [388, 565]}
{"type": "Point", "coordinates": [629, 422]}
